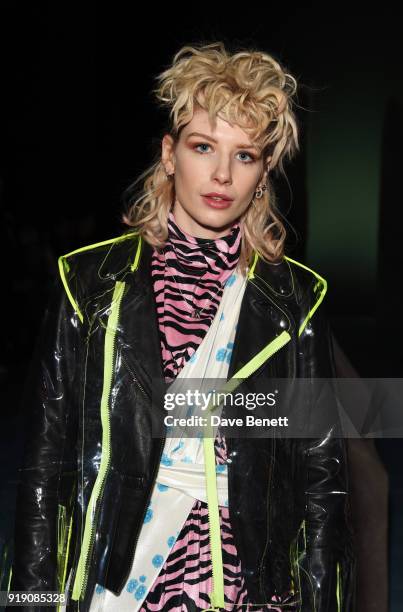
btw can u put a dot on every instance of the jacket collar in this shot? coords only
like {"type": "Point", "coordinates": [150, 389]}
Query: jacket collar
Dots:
{"type": "Point", "coordinates": [264, 315]}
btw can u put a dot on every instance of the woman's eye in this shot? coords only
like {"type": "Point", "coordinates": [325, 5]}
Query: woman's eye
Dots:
{"type": "Point", "coordinates": [251, 158]}
{"type": "Point", "coordinates": [203, 144]}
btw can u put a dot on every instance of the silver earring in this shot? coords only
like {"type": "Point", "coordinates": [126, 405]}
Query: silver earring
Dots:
{"type": "Point", "coordinates": [259, 191]}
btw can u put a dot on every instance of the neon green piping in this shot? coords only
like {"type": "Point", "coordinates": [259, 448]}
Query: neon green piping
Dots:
{"type": "Point", "coordinates": [135, 263]}
{"type": "Point", "coordinates": [217, 596]}
{"type": "Point", "coordinates": [264, 354]}
{"type": "Point", "coordinates": [9, 578]}
{"type": "Point", "coordinates": [106, 448]}
{"type": "Point", "coordinates": [251, 273]}
{"type": "Point", "coordinates": [63, 581]}
{"type": "Point", "coordinates": [64, 266]}
{"type": "Point", "coordinates": [61, 532]}
{"type": "Point", "coordinates": [321, 281]}
{"type": "Point", "coordinates": [212, 496]}
{"type": "Point", "coordinates": [338, 587]}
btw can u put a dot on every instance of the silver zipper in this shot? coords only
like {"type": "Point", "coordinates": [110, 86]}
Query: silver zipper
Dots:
{"type": "Point", "coordinates": [136, 380]}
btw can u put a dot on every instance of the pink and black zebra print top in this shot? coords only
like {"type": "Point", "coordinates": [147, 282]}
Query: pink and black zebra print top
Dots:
{"type": "Point", "coordinates": [189, 273]}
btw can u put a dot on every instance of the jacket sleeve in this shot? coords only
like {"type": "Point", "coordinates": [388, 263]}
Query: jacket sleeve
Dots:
{"type": "Point", "coordinates": [327, 560]}
{"type": "Point", "coordinates": [50, 446]}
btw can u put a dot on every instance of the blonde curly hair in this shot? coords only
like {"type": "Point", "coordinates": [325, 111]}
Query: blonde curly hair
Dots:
{"type": "Point", "coordinates": [248, 88]}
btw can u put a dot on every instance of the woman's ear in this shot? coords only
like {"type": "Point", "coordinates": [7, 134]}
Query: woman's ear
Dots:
{"type": "Point", "coordinates": [268, 160]}
{"type": "Point", "coordinates": [168, 153]}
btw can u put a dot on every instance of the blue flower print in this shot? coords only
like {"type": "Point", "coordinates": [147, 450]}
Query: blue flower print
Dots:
{"type": "Point", "coordinates": [186, 459]}
{"type": "Point", "coordinates": [165, 460]}
{"type": "Point", "coordinates": [157, 560]}
{"type": "Point", "coordinates": [225, 353]}
{"type": "Point", "coordinates": [180, 445]}
{"type": "Point", "coordinates": [221, 467]}
{"type": "Point", "coordinates": [193, 358]}
{"type": "Point", "coordinates": [140, 592]}
{"type": "Point", "coordinates": [148, 516]}
{"type": "Point", "coordinates": [222, 317]}
{"type": "Point", "coordinates": [171, 541]}
{"type": "Point", "coordinates": [161, 487]}
{"type": "Point", "coordinates": [231, 280]}
{"type": "Point", "coordinates": [221, 354]}
{"type": "Point", "coordinates": [143, 578]}
{"type": "Point", "coordinates": [132, 585]}
{"type": "Point", "coordinates": [99, 589]}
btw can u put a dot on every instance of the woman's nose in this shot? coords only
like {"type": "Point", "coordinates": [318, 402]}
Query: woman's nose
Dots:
{"type": "Point", "coordinates": [223, 172]}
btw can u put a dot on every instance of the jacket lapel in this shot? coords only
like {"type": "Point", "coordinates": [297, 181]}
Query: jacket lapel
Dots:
{"type": "Point", "coordinates": [141, 333]}
{"type": "Point", "coordinates": [263, 317]}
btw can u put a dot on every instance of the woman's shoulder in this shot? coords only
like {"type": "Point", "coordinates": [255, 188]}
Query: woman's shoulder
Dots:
{"type": "Point", "coordinates": [96, 252]}
{"type": "Point", "coordinates": [293, 286]}
{"type": "Point", "coordinates": [289, 279]}
{"type": "Point", "coordinates": [88, 268]}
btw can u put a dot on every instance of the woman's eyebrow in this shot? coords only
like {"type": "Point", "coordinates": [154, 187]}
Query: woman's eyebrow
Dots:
{"type": "Point", "coordinates": [240, 146]}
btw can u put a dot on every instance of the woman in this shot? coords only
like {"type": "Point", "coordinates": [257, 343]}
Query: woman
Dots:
{"type": "Point", "coordinates": [198, 287]}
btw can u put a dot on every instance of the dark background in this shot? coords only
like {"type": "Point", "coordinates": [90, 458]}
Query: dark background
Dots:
{"type": "Point", "coordinates": [78, 124]}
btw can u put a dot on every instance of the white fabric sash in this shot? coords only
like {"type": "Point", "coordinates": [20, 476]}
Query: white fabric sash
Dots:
{"type": "Point", "coordinates": [181, 476]}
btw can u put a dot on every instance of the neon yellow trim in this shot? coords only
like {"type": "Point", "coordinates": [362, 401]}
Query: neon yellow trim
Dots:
{"type": "Point", "coordinates": [61, 532]}
{"type": "Point", "coordinates": [338, 587]}
{"type": "Point", "coordinates": [252, 365]}
{"type": "Point", "coordinates": [64, 266]}
{"type": "Point", "coordinates": [264, 354]}
{"type": "Point", "coordinates": [110, 333]}
{"type": "Point", "coordinates": [321, 281]}
{"type": "Point", "coordinates": [63, 547]}
{"type": "Point", "coordinates": [217, 596]}
{"type": "Point", "coordinates": [251, 273]}
{"type": "Point", "coordinates": [9, 578]}
{"type": "Point", "coordinates": [97, 244]}
{"type": "Point", "coordinates": [135, 263]}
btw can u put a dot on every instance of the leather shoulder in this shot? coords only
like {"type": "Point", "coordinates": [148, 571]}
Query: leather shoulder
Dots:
{"type": "Point", "coordinates": [288, 278]}
{"type": "Point", "coordinates": [90, 268]}
{"type": "Point", "coordinates": [292, 284]}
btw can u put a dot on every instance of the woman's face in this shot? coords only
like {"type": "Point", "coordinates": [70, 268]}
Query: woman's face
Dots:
{"type": "Point", "coordinates": [223, 161]}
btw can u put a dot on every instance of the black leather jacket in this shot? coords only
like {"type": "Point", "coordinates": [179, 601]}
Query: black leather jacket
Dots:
{"type": "Point", "coordinates": [91, 461]}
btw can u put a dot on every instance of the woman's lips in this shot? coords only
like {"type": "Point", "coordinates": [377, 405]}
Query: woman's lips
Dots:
{"type": "Point", "coordinates": [217, 203]}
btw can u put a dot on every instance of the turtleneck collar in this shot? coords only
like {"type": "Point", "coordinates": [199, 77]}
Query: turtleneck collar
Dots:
{"type": "Point", "coordinates": [199, 256]}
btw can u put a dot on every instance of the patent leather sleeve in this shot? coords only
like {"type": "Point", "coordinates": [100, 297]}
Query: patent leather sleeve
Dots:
{"type": "Point", "coordinates": [327, 561]}
{"type": "Point", "coordinates": [49, 451]}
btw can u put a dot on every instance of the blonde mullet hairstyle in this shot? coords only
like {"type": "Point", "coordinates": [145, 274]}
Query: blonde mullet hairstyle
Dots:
{"type": "Point", "coordinates": [248, 88]}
